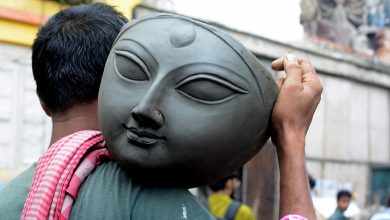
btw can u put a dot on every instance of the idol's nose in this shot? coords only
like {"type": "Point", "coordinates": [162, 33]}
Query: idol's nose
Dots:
{"type": "Point", "coordinates": [146, 112]}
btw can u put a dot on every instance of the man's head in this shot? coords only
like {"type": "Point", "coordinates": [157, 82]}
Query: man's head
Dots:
{"type": "Point", "coordinates": [343, 199]}
{"type": "Point", "coordinates": [69, 54]}
{"type": "Point", "coordinates": [183, 103]}
{"type": "Point", "coordinates": [226, 185]}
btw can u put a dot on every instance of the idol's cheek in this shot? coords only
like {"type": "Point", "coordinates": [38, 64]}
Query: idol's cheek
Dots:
{"type": "Point", "coordinates": [198, 126]}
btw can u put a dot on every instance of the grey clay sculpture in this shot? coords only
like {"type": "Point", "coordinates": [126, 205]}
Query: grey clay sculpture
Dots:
{"type": "Point", "coordinates": [182, 103]}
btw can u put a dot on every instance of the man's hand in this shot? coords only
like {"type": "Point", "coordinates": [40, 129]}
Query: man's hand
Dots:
{"type": "Point", "coordinates": [300, 93]}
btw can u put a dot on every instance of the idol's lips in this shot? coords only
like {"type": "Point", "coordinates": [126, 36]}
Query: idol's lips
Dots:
{"type": "Point", "coordinates": [141, 136]}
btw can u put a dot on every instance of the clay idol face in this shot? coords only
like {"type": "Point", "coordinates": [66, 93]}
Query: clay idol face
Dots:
{"type": "Point", "coordinates": [179, 105]}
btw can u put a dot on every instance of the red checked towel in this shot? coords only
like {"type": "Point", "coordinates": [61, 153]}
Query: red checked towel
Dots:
{"type": "Point", "coordinates": [60, 173]}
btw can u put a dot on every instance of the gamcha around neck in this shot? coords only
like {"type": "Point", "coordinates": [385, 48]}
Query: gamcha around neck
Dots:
{"type": "Point", "coordinates": [182, 103]}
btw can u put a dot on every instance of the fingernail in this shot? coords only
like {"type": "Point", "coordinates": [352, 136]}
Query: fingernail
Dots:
{"type": "Point", "coordinates": [291, 58]}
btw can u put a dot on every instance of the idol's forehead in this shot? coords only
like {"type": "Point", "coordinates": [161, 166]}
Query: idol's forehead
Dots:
{"type": "Point", "coordinates": [179, 41]}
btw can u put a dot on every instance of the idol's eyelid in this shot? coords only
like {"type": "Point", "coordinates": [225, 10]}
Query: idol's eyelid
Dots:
{"type": "Point", "coordinates": [136, 59]}
{"type": "Point", "coordinates": [214, 79]}
{"type": "Point", "coordinates": [214, 70]}
{"type": "Point", "coordinates": [206, 101]}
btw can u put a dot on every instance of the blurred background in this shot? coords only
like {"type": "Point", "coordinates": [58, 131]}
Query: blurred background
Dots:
{"type": "Point", "coordinates": [348, 41]}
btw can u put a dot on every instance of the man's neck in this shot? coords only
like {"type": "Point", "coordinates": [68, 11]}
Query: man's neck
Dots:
{"type": "Point", "coordinates": [78, 118]}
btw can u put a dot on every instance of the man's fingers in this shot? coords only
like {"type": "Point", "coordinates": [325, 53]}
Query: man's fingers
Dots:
{"type": "Point", "coordinates": [310, 75]}
{"type": "Point", "coordinates": [292, 68]}
{"type": "Point", "coordinates": [277, 65]}
{"type": "Point", "coordinates": [307, 67]}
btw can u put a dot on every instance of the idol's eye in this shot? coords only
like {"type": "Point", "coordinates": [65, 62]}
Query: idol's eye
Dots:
{"type": "Point", "coordinates": [208, 89]}
{"type": "Point", "coordinates": [130, 66]}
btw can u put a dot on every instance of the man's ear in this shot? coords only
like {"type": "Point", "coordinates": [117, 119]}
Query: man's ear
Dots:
{"type": "Point", "coordinates": [45, 108]}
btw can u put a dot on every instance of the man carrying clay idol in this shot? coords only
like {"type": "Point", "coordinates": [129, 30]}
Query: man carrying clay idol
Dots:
{"type": "Point", "coordinates": [183, 104]}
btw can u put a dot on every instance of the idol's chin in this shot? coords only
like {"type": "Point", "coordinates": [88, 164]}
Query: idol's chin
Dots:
{"type": "Point", "coordinates": [185, 175]}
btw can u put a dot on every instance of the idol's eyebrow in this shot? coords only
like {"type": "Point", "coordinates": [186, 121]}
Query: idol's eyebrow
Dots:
{"type": "Point", "coordinates": [132, 46]}
{"type": "Point", "coordinates": [213, 70]}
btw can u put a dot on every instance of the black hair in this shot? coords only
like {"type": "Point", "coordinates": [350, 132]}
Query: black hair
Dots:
{"type": "Point", "coordinates": [69, 54]}
{"type": "Point", "coordinates": [312, 182]}
{"type": "Point", "coordinates": [219, 185]}
{"type": "Point", "coordinates": [343, 193]}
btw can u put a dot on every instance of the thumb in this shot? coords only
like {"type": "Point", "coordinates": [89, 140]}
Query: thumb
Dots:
{"type": "Point", "coordinates": [279, 82]}
{"type": "Point", "coordinates": [292, 68]}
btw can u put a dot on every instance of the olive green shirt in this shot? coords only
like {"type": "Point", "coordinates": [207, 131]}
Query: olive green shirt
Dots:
{"type": "Point", "coordinates": [109, 193]}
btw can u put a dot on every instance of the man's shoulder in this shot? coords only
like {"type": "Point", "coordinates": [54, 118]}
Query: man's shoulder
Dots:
{"type": "Point", "coordinates": [169, 203]}
{"type": "Point", "coordinates": [244, 213]}
{"type": "Point", "coordinates": [337, 215]}
{"type": "Point", "coordinates": [20, 185]}
{"type": "Point", "coordinates": [112, 189]}
{"type": "Point", "coordinates": [14, 194]}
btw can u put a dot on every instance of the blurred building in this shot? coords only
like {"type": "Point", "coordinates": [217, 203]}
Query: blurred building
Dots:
{"type": "Point", "coordinates": [348, 145]}
{"type": "Point", "coordinates": [24, 128]}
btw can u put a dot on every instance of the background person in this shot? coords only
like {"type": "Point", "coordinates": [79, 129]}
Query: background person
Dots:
{"type": "Point", "coordinates": [312, 183]}
{"type": "Point", "coordinates": [222, 204]}
{"type": "Point", "coordinates": [343, 200]}
{"type": "Point", "coordinates": [383, 214]}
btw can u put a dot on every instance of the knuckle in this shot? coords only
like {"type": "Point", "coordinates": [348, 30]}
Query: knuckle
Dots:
{"type": "Point", "coordinates": [293, 67]}
{"type": "Point", "coordinates": [294, 86]}
{"type": "Point", "coordinates": [305, 61]}
{"type": "Point", "coordinates": [320, 88]}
